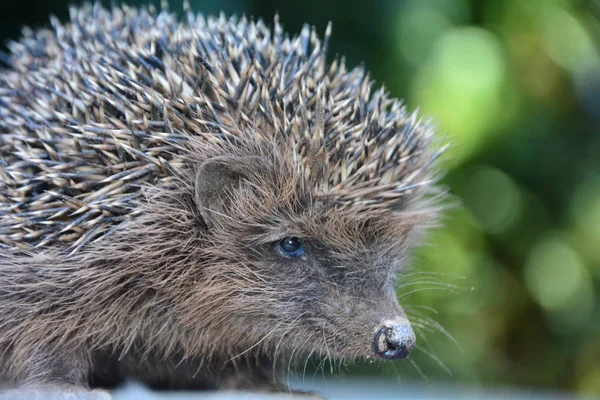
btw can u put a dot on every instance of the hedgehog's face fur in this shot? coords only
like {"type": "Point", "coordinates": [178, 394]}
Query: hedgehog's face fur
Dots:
{"type": "Point", "coordinates": [335, 299]}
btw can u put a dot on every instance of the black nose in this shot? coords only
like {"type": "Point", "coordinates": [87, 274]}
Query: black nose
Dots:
{"type": "Point", "coordinates": [394, 339]}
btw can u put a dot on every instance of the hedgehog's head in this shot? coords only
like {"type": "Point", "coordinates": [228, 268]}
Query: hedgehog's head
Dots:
{"type": "Point", "coordinates": [311, 265]}
{"type": "Point", "coordinates": [310, 189]}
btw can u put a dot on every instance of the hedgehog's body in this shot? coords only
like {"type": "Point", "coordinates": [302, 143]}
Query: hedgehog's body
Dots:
{"type": "Point", "coordinates": [149, 172]}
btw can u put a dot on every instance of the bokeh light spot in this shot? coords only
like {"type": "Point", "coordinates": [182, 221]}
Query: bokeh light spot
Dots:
{"type": "Point", "coordinates": [493, 198]}
{"type": "Point", "coordinates": [558, 280]}
{"type": "Point", "coordinates": [463, 84]}
{"type": "Point", "coordinates": [567, 41]}
{"type": "Point", "coordinates": [585, 215]}
{"type": "Point", "coordinates": [421, 23]}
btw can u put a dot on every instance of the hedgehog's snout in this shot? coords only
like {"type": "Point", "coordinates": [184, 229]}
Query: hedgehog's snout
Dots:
{"type": "Point", "coordinates": [394, 339]}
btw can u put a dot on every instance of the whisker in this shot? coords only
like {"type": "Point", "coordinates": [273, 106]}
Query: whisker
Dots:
{"type": "Point", "coordinates": [291, 359]}
{"type": "Point", "coordinates": [305, 365]}
{"type": "Point", "coordinates": [428, 308]}
{"type": "Point", "coordinates": [328, 353]}
{"type": "Point", "coordinates": [403, 275]}
{"type": "Point", "coordinates": [257, 343]}
{"type": "Point", "coordinates": [424, 280]}
{"type": "Point", "coordinates": [393, 365]}
{"type": "Point", "coordinates": [433, 324]}
{"type": "Point", "coordinates": [413, 363]}
{"type": "Point", "coordinates": [432, 288]}
{"type": "Point", "coordinates": [434, 358]}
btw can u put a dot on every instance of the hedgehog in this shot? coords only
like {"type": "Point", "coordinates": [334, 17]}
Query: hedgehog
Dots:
{"type": "Point", "coordinates": [192, 202]}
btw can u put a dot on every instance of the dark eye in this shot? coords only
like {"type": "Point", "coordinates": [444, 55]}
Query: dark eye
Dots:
{"type": "Point", "coordinates": [291, 247]}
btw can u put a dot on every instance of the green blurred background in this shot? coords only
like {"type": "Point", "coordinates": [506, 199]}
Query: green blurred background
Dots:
{"type": "Point", "coordinates": [514, 276]}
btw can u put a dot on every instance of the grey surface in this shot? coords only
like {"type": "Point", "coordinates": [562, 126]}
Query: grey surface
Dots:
{"type": "Point", "coordinates": [355, 389]}
{"type": "Point", "coordinates": [138, 393]}
{"type": "Point", "coordinates": [331, 389]}
{"type": "Point", "coordinates": [53, 393]}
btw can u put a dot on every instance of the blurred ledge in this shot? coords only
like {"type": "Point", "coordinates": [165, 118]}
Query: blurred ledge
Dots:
{"type": "Point", "coordinates": [52, 393]}
{"type": "Point", "coordinates": [357, 389]}
{"type": "Point", "coordinates": [330, 389]}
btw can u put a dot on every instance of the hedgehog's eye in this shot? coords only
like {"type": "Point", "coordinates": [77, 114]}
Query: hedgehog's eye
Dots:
{"type": "Point", "coordinates": [291, 247]}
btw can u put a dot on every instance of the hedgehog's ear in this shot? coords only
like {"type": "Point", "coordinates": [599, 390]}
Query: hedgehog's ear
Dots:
{"type": "Point", "coordinates": [216, 181]}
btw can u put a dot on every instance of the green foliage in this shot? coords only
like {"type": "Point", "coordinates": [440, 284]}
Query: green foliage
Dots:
{"type": "Point", "coordinates": [517, 90]}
